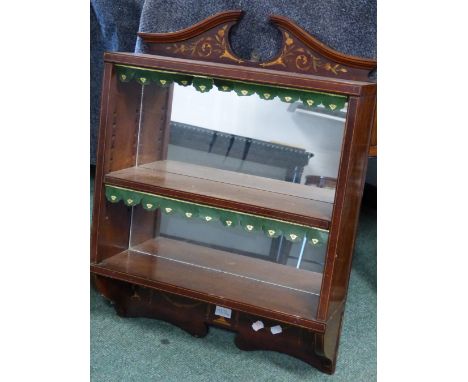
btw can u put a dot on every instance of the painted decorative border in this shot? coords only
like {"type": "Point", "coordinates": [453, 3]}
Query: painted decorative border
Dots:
{"type": "Point", "coordinates": [251, 223]}
{"type": "Point", "coordinates": [204, 84]}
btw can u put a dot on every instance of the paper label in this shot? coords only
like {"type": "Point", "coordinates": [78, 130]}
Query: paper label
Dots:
{"type": "Point", "coordinates": [276, 329]}
{"type": "Point", "coordinates": [223, 312]}
{"type": "Point", "coordinates": [257, 325]}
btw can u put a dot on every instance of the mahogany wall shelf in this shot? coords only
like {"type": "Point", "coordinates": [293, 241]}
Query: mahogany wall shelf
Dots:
{"type": "Point", "coordinates": [202, 212]}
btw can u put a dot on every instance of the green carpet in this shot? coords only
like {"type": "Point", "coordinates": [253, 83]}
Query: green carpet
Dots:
{"type": "Point", "coordinates": [139, 349]}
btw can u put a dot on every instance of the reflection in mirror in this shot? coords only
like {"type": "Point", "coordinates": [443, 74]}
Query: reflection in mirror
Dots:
{"type": "Point", "coordinates": [279, 150]}
{"type": "Point", "coordinates": [265, 138]}
{"type": "Point", "coordinates": [255, 245]}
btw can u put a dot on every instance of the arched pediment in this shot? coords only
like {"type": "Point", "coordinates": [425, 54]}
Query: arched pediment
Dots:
{"type": "Point", "coordinates": [208, 40]}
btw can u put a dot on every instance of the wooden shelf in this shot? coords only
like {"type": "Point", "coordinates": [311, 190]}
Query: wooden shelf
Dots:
{"type": "Point", "coordinates": [219, 277]}
{"type": "Point", "coordinates": [271, 198]}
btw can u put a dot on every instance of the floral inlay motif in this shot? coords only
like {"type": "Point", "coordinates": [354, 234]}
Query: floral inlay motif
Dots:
{"type": "Point", "coordinates": [302, 59]}
{"type": "Point", "coordinates": [206, 46]}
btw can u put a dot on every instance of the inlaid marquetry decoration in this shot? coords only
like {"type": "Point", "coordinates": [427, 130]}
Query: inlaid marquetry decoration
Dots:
{"type": "Point", "coordinates": [303, 59]}
{"type": "Point", "coordinates": [203, 84]}
{"type": "Point", "coordinates": [300, 52]}
{"type": "Point", "coordinates": [211, 215]}
{"type": "Point", "coordinates": [206, 46]}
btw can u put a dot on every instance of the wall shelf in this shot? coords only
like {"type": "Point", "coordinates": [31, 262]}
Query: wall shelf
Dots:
{"type": "Point", "coordinates": [164, 184]}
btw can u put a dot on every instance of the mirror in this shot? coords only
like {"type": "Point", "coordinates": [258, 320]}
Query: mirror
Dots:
{"type": "Point", "coordinates": [261, 146]}
{"type": "Point", "coordinates": [272, 139]}
{"type": "Point", "coordinates": [296, 148]}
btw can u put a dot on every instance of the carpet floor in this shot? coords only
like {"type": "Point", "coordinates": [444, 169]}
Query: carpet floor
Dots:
{"type": "Point", "coordinates": [139, 349]}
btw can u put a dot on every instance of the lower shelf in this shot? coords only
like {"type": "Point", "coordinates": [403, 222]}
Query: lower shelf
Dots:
{"type": "Point", "coordinates": [219, 277]}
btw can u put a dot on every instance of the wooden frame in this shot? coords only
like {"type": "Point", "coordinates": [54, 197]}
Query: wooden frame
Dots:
{"type": "Point", "coordinates": [204, 50]}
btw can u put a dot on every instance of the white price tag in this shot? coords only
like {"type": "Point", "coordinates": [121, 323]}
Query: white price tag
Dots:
{"type": "Point", "coordinates": [276, 329]}
{"type": "Point", "coordinates": [223, 312]}
{"type": "Point", "coordinates": [257, 325]}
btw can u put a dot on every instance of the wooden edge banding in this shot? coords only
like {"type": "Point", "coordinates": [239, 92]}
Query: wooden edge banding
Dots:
{"type": "Point", "coordinates": [195, 30]}
{"type": "Point", "coordinates": [373, 142]}
{"type": "Point", "coordinates": [320, 47]}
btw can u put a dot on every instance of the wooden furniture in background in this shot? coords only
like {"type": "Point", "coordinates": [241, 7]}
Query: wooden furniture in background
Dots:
{"type": "Point", "coordinates": [146, 273]}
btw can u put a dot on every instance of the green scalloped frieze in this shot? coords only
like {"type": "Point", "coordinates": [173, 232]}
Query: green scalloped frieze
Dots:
{"type": "Point", "coordinates": [310, 99]}
{"type": "Point", "coordinates": [228, 218]}
{"type": "Point", "coordinates": [243, 89]}
{"type": "Point", "coordinates": [249, 223]}
{"type": "Point", "coordinates": [224, 86]}
{"type": "Point", "coordinates": [149, 202]}
{"type": "Point", "coordinates": [202, 84]}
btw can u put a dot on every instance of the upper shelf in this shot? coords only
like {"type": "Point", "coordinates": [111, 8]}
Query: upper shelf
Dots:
{"type": "Point", "coordinates": [307, 205]}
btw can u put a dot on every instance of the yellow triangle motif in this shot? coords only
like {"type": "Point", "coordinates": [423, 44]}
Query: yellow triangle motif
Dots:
{"type": "Point", "coordinates": [188, 214]}
{"type": "Point", "coordinates": [143, 79]}
{"type": "Point", "coordinates": [288, 98]}
{"type": "Point", "coordinates": [149, 205]}
{"type": "Point", "coordinates": [184, 82]}
{"type": "Point", "coordinates": [123, 77]}
{"type": "Point", "coordinates": [249, 227]}
{"type": "Point", "coordinates": [202, 88]}
{"type": "Point", "coordinates": [163, 82]}
{"type": "Point", "coordinates": [225, 88]}
{"type": "Point", "coordinates": [168, 209]}
{"type": "Point", "coordinates": [266, 95]}
{"type": "Point", "coordinates": [332, 106]}
{"type": "Point", "coordinates": [228, 222]}
{"type": "Point", "coordinates": [129, 201]}
{"type": "Point", "coordinates": [244, 92]}
{"type": "Point", "coordinates": [271, 232]}
{"type": "Point", "coordinates": [314, 241]}
{"type": "Point", "coordinates": [113, 197]}
{"type": "Point", "coordinates": [310, 102]}
{"type": "Point", "coordinates": [292, 236]}
{"type": "Point", "coordinates": [208, 218]}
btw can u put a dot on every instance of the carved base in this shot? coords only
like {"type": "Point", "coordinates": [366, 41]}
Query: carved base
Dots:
{"type": "Point", "coordinates": [316, 349]}
{"type": "Point", "coordinates": [294, 341]}
{"type": "Point", "coordinates": [136, 301]}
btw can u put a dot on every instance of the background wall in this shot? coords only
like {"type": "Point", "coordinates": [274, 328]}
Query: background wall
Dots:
{"type": "Point", "coordinates": [346, 25]}
{"type": "Point", "coordinates": [114, 25]}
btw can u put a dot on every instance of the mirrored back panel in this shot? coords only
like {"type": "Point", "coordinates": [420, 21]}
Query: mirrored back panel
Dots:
{"type": "Point", "coordinates": [274, 139]}
{"type": "Point", "coordinates": [271, 151]}
{"type": "Point", "coordinates": [287, 141]}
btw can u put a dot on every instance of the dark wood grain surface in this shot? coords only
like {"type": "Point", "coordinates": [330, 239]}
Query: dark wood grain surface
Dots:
{"type": "Point", "coordinates": [269, 198]}
{"type": "Point", "coordinates": [245, 180]}
{"type": "Point", "coordinates": [242, 266]}
{"type": "Point", "coordinates": [181, 266]}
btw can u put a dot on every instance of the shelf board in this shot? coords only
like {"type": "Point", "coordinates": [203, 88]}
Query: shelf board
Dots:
{"type": "Point", "coordinates": [219, 277]}
{"type": "Point", "coordinates": [307, 205]}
